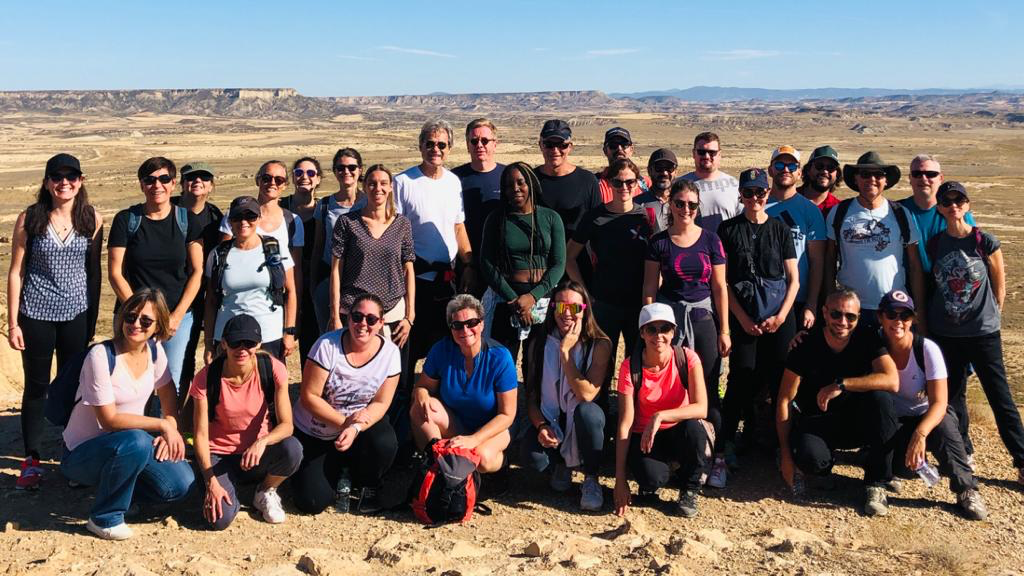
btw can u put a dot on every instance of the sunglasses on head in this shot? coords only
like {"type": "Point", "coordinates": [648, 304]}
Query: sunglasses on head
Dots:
{"type": "Point", "coordinates": [358, 317]}
{"type": "Point", "coordinates": [58, 178]}
{"type": "Point", "coordinates": [903, 315]}
{"type": "Point", "coordinates": [481, 141]}
{"type": "Point", "coordinates": [929, 173]}
{"type": "Point", "coordinates": [705, 152]}
{"type": "Point", "coordinates": [658, 328]}
{"type": "Point", "coordinates": [204, 176]}
{"type": "Point", "coordinates": [342, 167]}
{"type": "Point", "coordinates": [163, 179]}
{"type": "Point", "coordinates": [570, 307]}
{"type": "Point", "coordinates": [277, 180]}
{"type": "Point", "coordinates": [780, 166]}
{"type": "Point", "coordinates": [871, 174]}
{"type": "Point", "coordinates": [459, 325]}
{"type": "Point", "coordinates": [560, 144]}
{"type": "Point", "coordinates": [616, 183]}
{"type": "Point", "coordinates": [838, 315]}
{"type": "Point", "coordinates": [144, 321]}
{"type": "Point", "coordinates": [753, 192]}
{"type": "Point", "coordinates": [308, 173]}
{"type": "Point", "coordinates": [430, 145]}
{"type": "Point", "coordinates": [825, 166]}
{"type": "Point", "coordinates": [248, 344]}
{"type": "Point", "coordinates": [959, 200]}
{"type": "Point", "coordinates": [685, 205]}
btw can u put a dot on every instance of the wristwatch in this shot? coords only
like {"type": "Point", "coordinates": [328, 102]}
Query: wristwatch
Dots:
{"type": "Point", "coordinates": [841, 385]}
{"type": "Point", "coordinates": [291, 331]}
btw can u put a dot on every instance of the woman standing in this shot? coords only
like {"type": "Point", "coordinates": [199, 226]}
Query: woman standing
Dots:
{"type": "Point", "coordinates": [53, 282]}
{"type": "Point", "coordinates": [964, 316]}
{"type": "Point", "coordinates": [306, 177]}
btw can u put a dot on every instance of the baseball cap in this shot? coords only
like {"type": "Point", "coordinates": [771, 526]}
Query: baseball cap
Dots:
{"type": "Point", "coordinates": [241, 327]}
{"type": "Point", "coordinates": [62, 160]}
{"type": "Point", "coordinates": [242, 206]}
{"type": "Point", "coordinates": [896, 300]}
{"type": "Point", "coordinates": [951, 186]}
{"type": "Point", "coordinates": [617, 132]}
{"type": "Point", "coordinates": [655, 312]}
{"type": "Point", "coordinates": [663, 155]}
{"type": "Point", "coordinates": [197, 167]}
{"type": "Point", "coordinates": [754, 178]}
{"type": "Point", "coordinates": [824, 152]}
{"type": "Point", "coordinates": [784, 150]}
{"type": "Point", "coordinates": [556, 129]}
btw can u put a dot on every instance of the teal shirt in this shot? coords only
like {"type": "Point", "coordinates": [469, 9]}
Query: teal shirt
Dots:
{"type": "Point", "coordinates": [548, 250]}
{"type": "Point", "coordinates": [929, 223]}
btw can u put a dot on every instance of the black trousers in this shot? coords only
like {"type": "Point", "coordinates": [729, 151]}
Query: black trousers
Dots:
{"type": "Point", "coordinates": [42, 340]}
{"type": "Point", "coordinates": [431, 300]}
{"type": "Point", "coordinates": [944, 442]}
{"type": "Point", "coordinates": [508, 335]}
{"type": "Point", "coordinates": [705, 344]}
{"type": "Point", "coordinates": [281, 459]}
{"type": "Point", "coordinates": [686, 443]}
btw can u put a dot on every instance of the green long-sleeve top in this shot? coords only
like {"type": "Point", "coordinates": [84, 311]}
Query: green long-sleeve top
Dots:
{"type": "Point", "coordinates": [548, 250]}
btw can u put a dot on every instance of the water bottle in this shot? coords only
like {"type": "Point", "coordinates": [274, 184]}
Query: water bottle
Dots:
{"type": "Point", "coordinates": [799, 486]}
{"type": "Point", "coordinates": [343, 492]}
{"type": "Point", "coordinates": [928, 473]}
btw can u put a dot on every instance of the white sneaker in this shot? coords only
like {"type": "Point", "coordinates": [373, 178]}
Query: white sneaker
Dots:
{"type": "Point", "coordinates": [719, 473]}
{"type": "Point", "coordinates": [561, 478]}
{"type": "Point", "coordinates": [592, 498]}
{"type": "Point", "coordinates": [269, 503]}
{"type": "Point", "coordinates": [118, 532]}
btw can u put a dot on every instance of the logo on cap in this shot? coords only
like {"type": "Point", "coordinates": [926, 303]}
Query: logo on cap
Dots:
{"type": "Point", "coordinates": [900, 296]}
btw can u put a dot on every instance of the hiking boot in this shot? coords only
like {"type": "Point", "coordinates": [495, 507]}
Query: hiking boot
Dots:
{"type": "Point", "coordinates": [31, 474]}
{"type": "Point", "coordinates": [269, 503]}
{"type": "Point", "coordinates": [118, 532]}
{"type": "Point", "coordinates": [686, 506]}
{"type": "Point", "coordinates": [370, 501]}
{"type": "Point", "coordinates": [875, 502]}
{"type": "Point", "coordinates": [972, 505]}
{"type": "Point", "coordinates": [561, 478]}
{"type": "Point", "coordinates": [719, 472]}
{"type": "Point", "coordinates": [592, 497]}
{"type": "Point", "coordinates": [894, 485]}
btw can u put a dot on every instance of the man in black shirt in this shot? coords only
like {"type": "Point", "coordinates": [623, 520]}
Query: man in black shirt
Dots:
{"type": "Point", "coordinates": [836, 392]}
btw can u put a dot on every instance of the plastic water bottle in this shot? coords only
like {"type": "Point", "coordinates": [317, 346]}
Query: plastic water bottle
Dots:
{"type": "Point", "coordinates": [799, 486]}
{"type": "Point", "coordinates": [343, 492]}
{"type": "Point", "coordinates": [928, 473]}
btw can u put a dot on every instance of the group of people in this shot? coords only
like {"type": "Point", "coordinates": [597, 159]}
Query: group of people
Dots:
{"type": "Point", "coordinates": [822, 307]}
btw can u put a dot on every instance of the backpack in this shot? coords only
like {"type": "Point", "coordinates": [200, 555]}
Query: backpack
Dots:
{"type": "Point", "coordinates": [932, 247]}
{"type": "Point", "coordinates": [447, 485]}
{"type": "Point", "coordinates": [271, 260]}
{"type": "Point", "coordinates": [135, 216]}
{"type": "Point", "coordinates": [902, 220]}
{"type": "Point", "coordinates": [62, 393]}
{"type": "Point", "coordinates": [636, 368]}
{"type": "Point", "coordinates": [265, 369]}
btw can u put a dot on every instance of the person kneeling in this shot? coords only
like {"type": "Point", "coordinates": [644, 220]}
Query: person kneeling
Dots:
{"type": "Point", "coordinates": [661, 417]}
{"type": "Point", "coordinates": [234, 442]}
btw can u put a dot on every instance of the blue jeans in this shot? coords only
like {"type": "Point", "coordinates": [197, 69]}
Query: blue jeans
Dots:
{"type": "Point", "coordinates": [175, 350]}
{"type": "Point", "coordinates": [122, 468]}
{"type": "Point", "coordinates": [588, 419]}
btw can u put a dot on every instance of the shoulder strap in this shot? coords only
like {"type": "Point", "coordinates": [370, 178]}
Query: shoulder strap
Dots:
{"type": "Point", "coordinates": [265, 366]}
{"type": "Point", "coordinates": [902, 220]}
{"type": "Point", "coordinates": [837, 225]}
{"type": "Point", "coordinates": [978, 244]}
{"type": "Point", "coordinates": [325, 204]}
{"type": "Point", "coordinates": [220, 263]}
{"type": "Point", "coordinates": [213, 375]}
{"type": "Point", "coordinates": [108, 345]}
{"type": "Point", "coordinates": [918, 348]}
{"type": "Point", "coordinates": [289, 218]}
{"type": "Point", "coordinates": [134, 219]}
{"type": "Point", "coordinates": [636, 370]}
{"type": "Point", "coordinates": [788, 219]}
{"type": "Point", "coordinates": [181, 219]}
{"type": "Point", "coordinates": [275, 269]}
{"type": "Point", "coordinates": [682, 365]}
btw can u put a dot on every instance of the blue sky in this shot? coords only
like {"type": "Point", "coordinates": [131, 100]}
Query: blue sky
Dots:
{"type": "Point", "coordinates": [396, 47]}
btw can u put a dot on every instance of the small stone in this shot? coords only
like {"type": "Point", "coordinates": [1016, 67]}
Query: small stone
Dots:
{"type": "Point", "coordinates": [170, 522]}
{"type": "Point", "coordinates": [204, 566]}
{"type": "Point", "coordinates": [11, 527]}
{"type": "Point", "coordinates": [464, 549]}
{"type": "Point", "coordinates": [404, 555]}
{"type": "Point", "coordinates": [583, 561]}
{"type": "Point", "coordinates": [322, 562]}
{"type": "Point", "coordinates": [680, 546]}
{"type": "Point", "coordinates": [538, 548]}
{"type": "Point", "coordinates": [789, 539]}
{"type": "Point", "coordinates": [714, 538]}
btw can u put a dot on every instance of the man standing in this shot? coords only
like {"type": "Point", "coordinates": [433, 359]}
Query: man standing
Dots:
{"type": "Point", "coordinates": [617, 144]}
{"type": "Point", "coordinates": [837, 392]}
{"type": "Point", "coordinates": [821, 176]}
{"type": "Point", "coordinates": [872, 240]}
{"type": "Point", "coordinates": [719, 192]}
{"type": "Point", "coordinates": [481, 182]}
{"type": "Point", "coordinates": [807, 225]}
{"type": "Point", "coordinates": [662, 169]}
{"type": "Point", "coordinates": [925, 179]}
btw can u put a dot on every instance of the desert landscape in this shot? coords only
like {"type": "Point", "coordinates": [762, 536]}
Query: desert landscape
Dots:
{"type": "Point", "coordinates": [752, 527]}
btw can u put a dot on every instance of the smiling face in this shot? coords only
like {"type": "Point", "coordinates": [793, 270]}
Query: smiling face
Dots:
{"type": "Point", "coordinates": [198, 184]}
{"type": "Point", "coordinates": [64, 184]}
{"type": "Point", "coordinates": [359, 319]}
{"type": "Point", "coordinates": [896, 324]}
{"type": "Point", "coordinates": [624, 184]}
{"type": "Point", "coordinates": [870, 182]}
{"type": "Point", "coordinates": [347, 172]}
{"type": "Point", "coordinates": [841, 317]}
{"type": "Point", "coordinates": [822, 174]}
{"type": "Point", "coordinates": [707, 156]}
{"type": "Point", "coordinates": [158, 192]}
{"type": "Point", "coordinates": [244, 352]}
{"type": "Point", "coordinates": [302, 177]}
{"type": "Point", "coordinates": [925, 178]}
{"type": "Point", "coordinates": [568, 317]}
{"type": "Point", "coordinates": [786, 177]}
{"type": "Point", "coordinates": [953, 206]}
{"type": "Point", "coordinates": [434, 149]}
{"type": "Point", "coordinates": [685, 205]}
{"type": "Point", "coordinates": [133, 330]}
{"type": "Point", "coordinates": [244, 228]}
{"type": "Point", "coordinates": [662, 174]}
{"type": "Point", "coordinates": [658, 335]}
{"type": "Point", "coordinates": [377, 186]}
{"type": "Point", "coordinates": [753, 200]}
{"type": "Point", "coordinates": [481, 144]}
{"type": "Point", "coordinates": [517, 191]}
{"type": "Point", "coordinates": [555, 151]}
{"type": "Point", "coordinates": [465, 336]}
{"type": "Point", "coordinates": [272, 183]}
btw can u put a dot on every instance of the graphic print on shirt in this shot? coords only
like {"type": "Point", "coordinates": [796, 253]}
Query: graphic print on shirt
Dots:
{"type": "Point", "coordinates": [959, 278]}
{"type": "Point", "coordinates": [868, 232]}
{"type": "Point", "coordinates": [705, 263]}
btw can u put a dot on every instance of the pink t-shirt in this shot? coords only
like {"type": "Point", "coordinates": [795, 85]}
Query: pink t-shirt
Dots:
{"type": "Point", "coordinates": [98, 387]}
{"type": "Point", "coordinates": [661, 390]}
{"type": "Point", "coordinates": [242, 414]}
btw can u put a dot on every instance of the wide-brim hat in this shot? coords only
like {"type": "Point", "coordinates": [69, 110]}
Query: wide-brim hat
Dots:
{"type": "Point", "coordinates": [870, 161]}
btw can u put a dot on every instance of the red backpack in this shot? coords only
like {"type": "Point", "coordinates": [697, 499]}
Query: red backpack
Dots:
{"type": "Point", "coordinates": [448, 484]}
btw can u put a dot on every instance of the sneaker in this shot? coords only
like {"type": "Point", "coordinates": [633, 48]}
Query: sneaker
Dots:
{"type": "Point", "coordinates": [893, 486]}
{"type": "Point", "coordinates": [31, 474]}
{"type": "Point", "coordinates": [970, 463]}
{"type": "Point", "coordinates": [369, 501]}
{"type": "Point", "coordinates": [592, 499]}
{"type": "Point", "coordinates": [719, 471]}
{"type": "Point", "coordinates": [119, 532]}
{"type": "Point", "coordinates": [875, 502]}
{"type": "Point", "coordinates": [972, 505]}
{"type": "Point", "coordinates": [269, 503]}
{"type": "Point", "coordinates": [687, 504]}
{"type": "Point", "coordinates": [561, 478]}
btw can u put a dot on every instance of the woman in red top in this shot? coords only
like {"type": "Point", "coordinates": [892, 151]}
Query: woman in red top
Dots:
{"type": "Point", "coordinates": [663, 420]}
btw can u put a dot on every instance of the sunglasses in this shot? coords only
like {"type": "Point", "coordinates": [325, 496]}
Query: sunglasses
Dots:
{"type": "Point", "coordinates": [664, 167]}
{"type": "Point", "coordinates": [931, 174]}
{"type": "Point", "coordinates": [163, 179]}
{"type": "Point", "coordinates": [749, 193]}
{"type": "Point", "coordinates": [277, 180]}
{"type": "Point", "coordinates": [358, 317]}
{"type": "Point", "coordinates": [459, 325]}
{"type": "Point", "coordinates": [560, 144]}
{"type": "Point", "coordinates": [959, 200]}
{"type": "Point", "coordinates": [350, 167]}
{"type": "Point", "coordinates": [684, 205]}
{"type": "Point", "coordinates": [616, 144]}
{"type": "Point", "coordinates": [480, 141]}
{"type": "Point", "coordinates": [58, 178]}
{"type": "Point", "coordinates": [903, 315]}
{"type": "Point", "coordinates": [871, 174]}
{"type": "Point", "coordinates": [825, 166]}
{"type": "Point", "coordinates": [659, 328]}
{"type": "Point", "coordinates": [791, 166]}
{"type": "Point", "coordinates": [430, 145]}
{"type": "Point", "coordinates": [144, 321]}
{"type": "Point", "coordinates": [204, 176]}
{"type": "Point", "coordinates": [705, 152]}
{"type": "Point", "coordinates": [570, 307]}
{"type": "Point", "coordinates": [837, 315]}
{"type": "Point", "coordinates": [309, 173]}
{"type": "Point", "coordinates": [616, 183]}
{"type": "Point", "coordinates": [247, 217]}
{"type": "Point", "coordinates": [248, 344]}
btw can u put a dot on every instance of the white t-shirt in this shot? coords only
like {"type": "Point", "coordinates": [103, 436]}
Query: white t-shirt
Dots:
{"type": "Point", "coordinates": [246, 284]}
{"type": "Point", "coordinates": [97, 386]}
{"type": "Point", "coordinates": [872, 251]}
{"type": "Point", "coordinates": [281, 233]}
{"type": "Point", "coordinates": [719, 199]}
{"type": "Point", "coordinates": [912, 399]}
{"type": "Point", "coordinates": [433, 208]}
{"type": "Point", "coordinates": [348, 388]}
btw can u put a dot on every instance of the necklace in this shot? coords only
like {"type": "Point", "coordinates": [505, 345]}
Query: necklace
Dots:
{"type": "Point", "coordinates": [755, 228]}
{"type": "Point", "coordinates": [61, 225]}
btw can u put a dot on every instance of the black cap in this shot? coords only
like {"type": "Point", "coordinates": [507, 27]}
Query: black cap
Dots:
{"type": "Point", "coordinates": [951, 186]}
{"type": "Point", "coordinates": [556, 129]}
{"type": "Point", "coordinates": [663, 155]}
{"type": "Point", "coordinates": [241, 327]}
{"type": "Point", "coordinates": [242, 206]}
{"type": "Point", "coordinates": [62, 160]}
{"type": "Point", "coordinates": [617, 132]}
{"type": "Point", "coordinates": [753, 178]}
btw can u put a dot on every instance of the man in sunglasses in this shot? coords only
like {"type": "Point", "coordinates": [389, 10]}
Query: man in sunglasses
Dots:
{"type": "Point", "coordinates": [837, 392]}
{"type": "Point", "coordinates": [821, 176]}
{"type": "Point", "coordinates": [617, 144]}
{"type": "Point", "coordinates": [925, 179]}
{"type": "Point", "coordinates": [661, 167]}
{"type": "Point", "coordinates": [807, 225]}
{"type": "Point", "coordinates": [719, 192]}
{"type": "Point", "coordinates": [481, 183]}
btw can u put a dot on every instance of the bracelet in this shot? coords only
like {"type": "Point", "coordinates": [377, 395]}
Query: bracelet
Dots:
{"type": "Point", "coordinates": [357, 427]}
{"type": "Point", "coordinates": [542, 426]}
{"type": "Point", "coordinates": [408, 320]}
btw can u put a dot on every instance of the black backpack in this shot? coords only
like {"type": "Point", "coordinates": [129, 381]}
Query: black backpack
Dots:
{"type": "Point", "coordinates": [271, 260]}
{"type": "Point", "coordinates": [932, 247]}
{"type": "Point", "coordinates": [636, 368]}
{"type": "Point", "coordinates": [902, 220]}
{"type": "Point", "coordinates": [265, 369]}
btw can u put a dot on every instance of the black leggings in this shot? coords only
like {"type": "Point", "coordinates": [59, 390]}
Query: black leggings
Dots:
{"type": "Point", "coordinates": [42, 339]}
{"type": "Point", "coordinates": [686, 443]}
{"type": "Point", "coordinates": [369, 457]}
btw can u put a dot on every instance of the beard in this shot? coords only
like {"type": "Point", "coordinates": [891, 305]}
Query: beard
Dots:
{"type": "Point", "coordinates": [819, 188]}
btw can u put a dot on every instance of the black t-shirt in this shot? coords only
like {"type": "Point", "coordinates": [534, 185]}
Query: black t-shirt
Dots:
{"type": "Point", "coordinates": [767, 245]}
{"type": "Point", "coordinates": [818, 365]}
{"type": "Point", "coordinates": [309, 228]}
{"type": "Point", "coordinates": [156, 256]}
{"type": "Point", "coordinates": [571, 195]}
{"type": "Point", "coordinates": [481, 194]}
{"type": "Point", "coordinates": [618, 244]}
{"type": "Point", "coordinates": [208, 222]}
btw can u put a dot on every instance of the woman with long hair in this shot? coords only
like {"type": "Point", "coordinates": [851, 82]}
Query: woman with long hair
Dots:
{"type": "Point", "coordinates": [306, 178]}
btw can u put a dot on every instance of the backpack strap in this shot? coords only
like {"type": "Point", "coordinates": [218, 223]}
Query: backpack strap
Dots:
{"type": "Point", "coordinates": [979, 246]}
{"type": "Point", "coordinates": [265, 367]}
{"type": "Point", "coordinates": [214, 373]}
{"type": "Point", "coordinates": [636, 370]}
{"type": "Point", "coordinates": [931, 248]}
{"type": "Point", "coordinates": [837, 225]}
{"type": "Point", "coordinates": [918, 348]}
{"type": "Point", "coordinates": [681, 365]}
{"type": "Point", "coordinates": [220, 264]}
{"type": "Point", "coordinates": [289, 218]}
{"type": "Point", "coordinates": [134, 219]}
{"type": "Point", "coordinates": [181, 219]}
{"type": "Point", "coordinates": [108, 346]}
{"type": "Point", "coordinates": [786, 217]}
{"type": "Point", "coordinates": [275, 268]}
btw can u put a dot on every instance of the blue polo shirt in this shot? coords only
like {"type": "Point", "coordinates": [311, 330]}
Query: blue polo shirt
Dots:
{"type": "Point", "coordinates": [472, 400]}
{"type": "Point", "coordinates": [929, 223]}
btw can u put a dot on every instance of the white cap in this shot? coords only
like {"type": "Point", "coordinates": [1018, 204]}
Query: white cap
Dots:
{"type": "Point", "coordinates": [786, 149]}
{"type": "Point", "coordinates": [655, 312]}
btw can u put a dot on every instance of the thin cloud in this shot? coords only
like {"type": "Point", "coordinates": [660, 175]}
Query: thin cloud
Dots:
{"type": "Point", "coordinates": [351, 57]}
{"type": "Point", "coordinates": [415, 51]}
{"type": "Point", "coordinates": [741, 54]}
{"type": "Point", "coordinates": [612, 52]}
